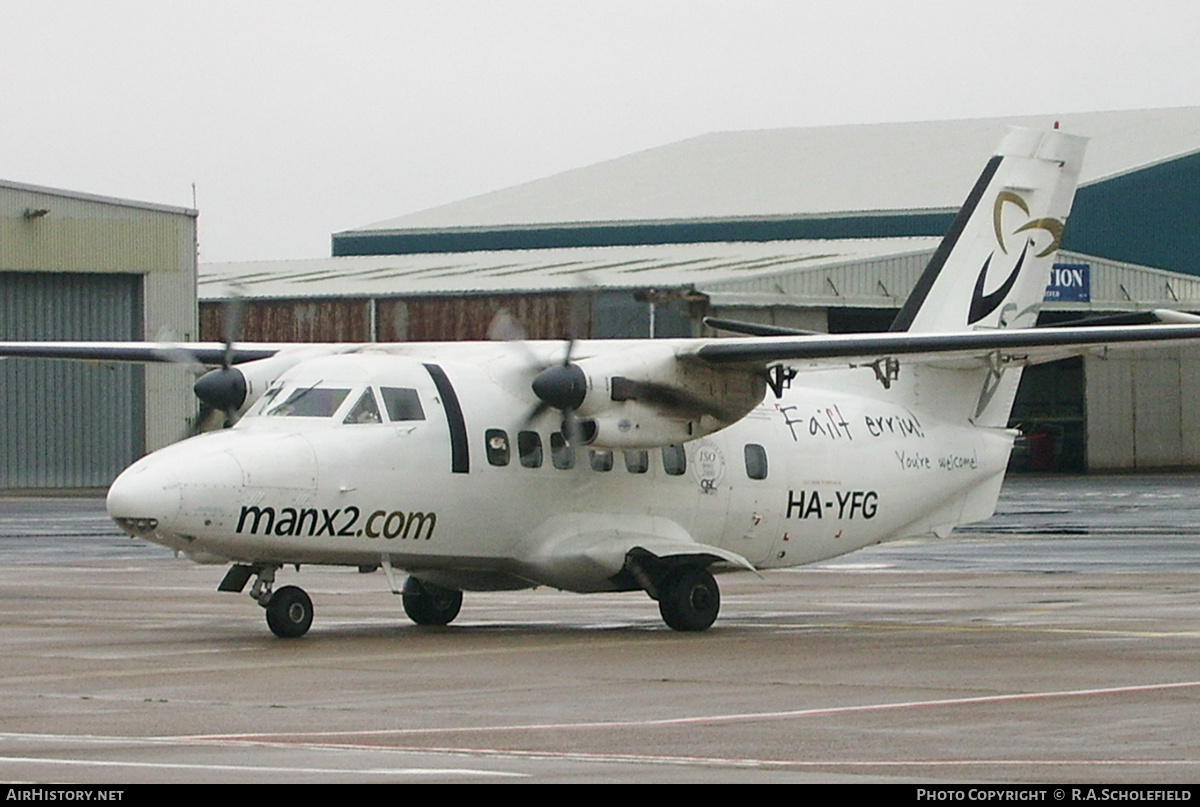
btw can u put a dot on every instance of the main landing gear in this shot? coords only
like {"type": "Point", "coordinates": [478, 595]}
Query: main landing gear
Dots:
{"type": "Point", "coordinates": [688, 599]}
{"type": "Point", "coordinates": [427, 604]}
{"type": "Point", "coordinates": [289, 610]}
{"type": "Point", "coordinates": [687, 594]}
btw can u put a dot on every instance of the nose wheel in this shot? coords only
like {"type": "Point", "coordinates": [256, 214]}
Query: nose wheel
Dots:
{"type": "Point", "coordinates": [289, 612]}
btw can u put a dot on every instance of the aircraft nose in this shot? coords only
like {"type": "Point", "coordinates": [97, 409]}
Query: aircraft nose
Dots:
{"type": "Point", "coordinates": [142, 498]}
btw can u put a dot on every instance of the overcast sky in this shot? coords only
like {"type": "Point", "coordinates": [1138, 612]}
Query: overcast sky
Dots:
{"type": "Point", "coordinates": [299, 119]}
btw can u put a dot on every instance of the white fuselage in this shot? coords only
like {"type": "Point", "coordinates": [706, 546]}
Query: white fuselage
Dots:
{"type": "Point", "coordinates": [846, 465]}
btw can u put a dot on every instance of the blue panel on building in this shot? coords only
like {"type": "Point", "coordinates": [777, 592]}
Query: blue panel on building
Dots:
{"type": "Point", "coordinates": [1069, 283]}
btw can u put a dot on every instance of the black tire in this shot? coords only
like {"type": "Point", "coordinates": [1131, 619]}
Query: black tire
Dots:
{"type": "Point", "coordinates": [289, 613]}
{"type": "Point", "coordinates": [689, 599]}
{"type": "Point", "coordinates": [427, 604]}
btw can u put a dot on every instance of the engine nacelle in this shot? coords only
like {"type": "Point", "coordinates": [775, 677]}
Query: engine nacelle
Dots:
{"type": "Point", "coordinates": [648, 397]}
{"type": "Point", "coordinates": [635, 426]}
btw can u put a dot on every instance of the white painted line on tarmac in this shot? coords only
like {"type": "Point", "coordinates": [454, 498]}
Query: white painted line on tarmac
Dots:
{"type": "Point", "coordinates": [110, 763]}
{"type": "Point", "coordinates": [525, 754]}
{"type": "Point", "coordinates": [744, 717]}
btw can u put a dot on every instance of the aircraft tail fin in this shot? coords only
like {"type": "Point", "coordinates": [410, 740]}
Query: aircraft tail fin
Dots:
{"type": "Point", "coordinates": [991, 269]}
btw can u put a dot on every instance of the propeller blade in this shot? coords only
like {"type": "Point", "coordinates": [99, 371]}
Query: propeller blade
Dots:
{"type": "Point", "coordinates": [231, 324]}
{"type": "Point", "coordinates": [177, 355]}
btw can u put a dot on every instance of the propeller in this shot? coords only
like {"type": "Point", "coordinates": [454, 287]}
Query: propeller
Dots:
{"type": "Point", "coordinates": [561, 385]}
{"type": "Point", "coordinates": [223, 389]}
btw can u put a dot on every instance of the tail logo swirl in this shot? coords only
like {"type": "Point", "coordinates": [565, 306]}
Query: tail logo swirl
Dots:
{"type": "Point", "coordinates": [984, 304]}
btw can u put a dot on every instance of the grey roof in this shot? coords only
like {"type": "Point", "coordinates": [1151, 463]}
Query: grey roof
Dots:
{"type": "Point", "coordinates": [92, 197]}
{"type": "Point", "coordinates": [689, 266]}
{"type": "Point", "coordinates": [868, 273]}
{"type": "Point", "coordinates": [926, 166]}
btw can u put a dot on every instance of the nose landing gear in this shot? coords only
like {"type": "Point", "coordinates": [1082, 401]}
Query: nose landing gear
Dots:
{"type": "Point", "coordinates": [289, 610]}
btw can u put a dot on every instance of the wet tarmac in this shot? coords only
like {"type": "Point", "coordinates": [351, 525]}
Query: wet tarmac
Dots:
{"type": "Point", "coordinates": [1057, 642]}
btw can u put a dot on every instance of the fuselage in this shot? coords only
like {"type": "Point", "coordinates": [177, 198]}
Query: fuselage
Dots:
{"type": "Point", "coordinates": [438, 461]}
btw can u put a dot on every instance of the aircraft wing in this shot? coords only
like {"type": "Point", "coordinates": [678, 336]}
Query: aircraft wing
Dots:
{"type": "Point", "coordinates": [203, 352]}
{"type": "Point", "coordinates": [1029, 345]}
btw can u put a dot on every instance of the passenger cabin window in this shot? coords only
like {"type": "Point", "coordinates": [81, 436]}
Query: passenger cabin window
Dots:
{"type": "Point", "coordinates": [365, 411]}
{"type": "Point", "coordinates": [637, 462]}
{"type": "Point", "coordinates": [310, 402]}
{"type": "Point", "coordinates": [756, 461]}
{"type": "Point", "coordinates": [496, 443]}
{"type": "Point", "coordinates": [529, 449]}
{"type": "Point", "coordinates": [402, 403]}
{"type": "Point", "coordinates": [674, 460]}
{"type": "Point", "coordinates": [561, 453]}
{"type": "Point", "coordinates": [601, 459]}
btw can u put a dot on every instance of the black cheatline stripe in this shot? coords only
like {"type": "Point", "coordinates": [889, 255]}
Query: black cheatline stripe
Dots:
{"type": "Point", "coordinates": [912, 305]}
{"type": "Point", "coordinates": [460, 461]}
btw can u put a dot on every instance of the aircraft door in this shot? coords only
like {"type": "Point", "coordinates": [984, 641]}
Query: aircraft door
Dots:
{"type": "Point", "coordinates": [755, 518]}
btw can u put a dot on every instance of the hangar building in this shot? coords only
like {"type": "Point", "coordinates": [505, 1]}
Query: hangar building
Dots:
{"type": "Point", "coordinates": [79, 267]}
{"type": "Point", "coordinates": [824, 228]}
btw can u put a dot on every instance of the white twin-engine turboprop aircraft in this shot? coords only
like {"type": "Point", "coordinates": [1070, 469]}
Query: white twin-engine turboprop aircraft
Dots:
{"type": "Point", "coordinates": [622, 465]}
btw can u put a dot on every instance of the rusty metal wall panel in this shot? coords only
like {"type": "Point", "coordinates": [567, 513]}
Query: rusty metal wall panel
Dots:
{"type": "Point", "coordinates": [417, 319]}
{"type": "Point", "coordinates": [466, 318]}
{"type": "Point", "coordinates": [292, 321]}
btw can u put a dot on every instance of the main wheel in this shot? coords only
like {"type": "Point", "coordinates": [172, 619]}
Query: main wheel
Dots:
{"type": "Point", "coordinates": [427, 604]}
{"type": "Point", "coordinates": [689, 599]}
{"type": "Point", "coordinates": [289, 612]}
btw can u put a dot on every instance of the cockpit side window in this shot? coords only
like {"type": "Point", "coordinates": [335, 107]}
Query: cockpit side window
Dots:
{"type": "Point", "coordinates": [402, 403]}
{"type": "Point", "coordinates": [264, 402]}
{"type": "Point", "coordinates": [365, 411]}
{"type": "Point", "coordinates": [310, 402]}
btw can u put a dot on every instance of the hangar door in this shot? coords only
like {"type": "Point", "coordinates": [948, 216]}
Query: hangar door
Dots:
{"type": "Point", "coordinates": [69, 424]}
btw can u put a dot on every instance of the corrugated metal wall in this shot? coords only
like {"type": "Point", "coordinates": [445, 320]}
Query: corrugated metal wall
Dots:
{"type": "Point", "coordinates": [100, 256]}
{"type": "Point", "coordinates": [875, 283]}
{"type": "Point", "coordinates": [68, 424]}
{"type": "Point", "coordinates": [1143, 409]}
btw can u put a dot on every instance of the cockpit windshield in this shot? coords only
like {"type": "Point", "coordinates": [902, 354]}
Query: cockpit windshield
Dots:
{"type": "Point", "coordinates": [309, 402]}
{"type": "Point", "coordinates": [371, 405]}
